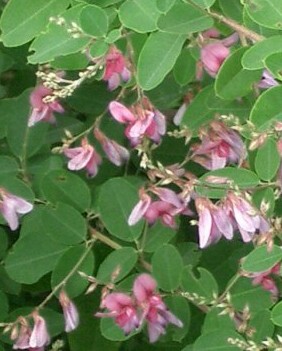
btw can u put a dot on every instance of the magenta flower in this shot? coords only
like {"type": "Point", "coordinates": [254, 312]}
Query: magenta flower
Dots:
{"type": "Point", "coordinates": [141, 120]}
{"type": "Point", "coordinates": [220, 146]}
{"type": "Point", "coordinates": [70, 312]}
{"type": "Point", "coordinates": [154, 310]}
{"type": "Point", "coordinates": [39, 336]}
{"type": "Point", "coordinates": [244, 217]}
{"type": "Point", "coordinates": [12, 206]}
{"type": "Point", "coordinates": [213, 222]}
{"type": "Point", "coordinates": [115, 68]}
{"type": "Point", "coordinates": [43, 111]}
{"type": "Point", "coordinates": [214, 54]}
{"type": "Point", "coordinates": [266, 281]}
{"type": "Point", "coordinates": [116, 153]}
{"type": "Point", "coordinates": [121, 307]}
{"type": "Point", "coordinates": [84, 156]}
{"type": "Point", "coordinates": [166, 208]}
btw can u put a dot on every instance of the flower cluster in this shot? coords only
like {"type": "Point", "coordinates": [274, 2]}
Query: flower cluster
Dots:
{"type": "Point", "coordinates": [130, 312]}
{"type": "Point", "coordinates": [12, 206]}
{"type": "Point", "coordinates": [231, 214]}
{"type": "Point", "coordinates": [36, 338]}
{"type": "Point", "coordinates": [33, 339]}
{"type": "Point", "coordinates": [166, 207]}
{"type": "Point", "coordinates": [220, 145]}
{"type": "Point", "coordinates": [142, 120]}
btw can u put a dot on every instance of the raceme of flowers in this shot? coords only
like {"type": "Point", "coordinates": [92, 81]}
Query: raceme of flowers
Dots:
{"type": "Point", "coordinates": [145, 305]}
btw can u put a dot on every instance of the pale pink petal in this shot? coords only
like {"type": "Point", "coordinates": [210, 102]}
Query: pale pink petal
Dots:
{"type": "Point", "coordinates": [169, 196]}
{"type": "Point", "coordinates": [243, 219]}
{"type": "Point", "coordinates": [155, 331]}
{"type": "Point", "coordinates": [39, 336]}
{"type": "Point", "coordinates": [161, 122]}
{"type": "Point", "coordinates": [205, 225]}
{"type": "Point", "coordinates": [113, 81]}
{"type": "Point", "coordinates": [177, 119]}
{"type": "Point", "coordinates": [139, 210]}
{"type": "Point", "coordinates": [140, 126]}
{"type": "Point", "coordinates": [126, 74]}
{"type": "Point", "coordinates": [121, 113]}
{"type": "Point", "coordinates": [223, 223]}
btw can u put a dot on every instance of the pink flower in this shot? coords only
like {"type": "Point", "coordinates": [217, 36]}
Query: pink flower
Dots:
{"type": "Point", "coordinates": [12, 206]}
{"type": "Point", "coordinates": [213, 222]}
{"type": "Point", "coordinates": [213, 54]}
{"type": "Point", "coordinates": [220, 146]}
{"type": "Point", "coordinates": [70, 312]}
{"type": "Point", "coordinates": [245, 218]}
{"type": "Point", "coordinates": [266, 281]}
{"type": "Point", "coordinates": [166, 208]}
{"type": "Point", "coordinates": [43, 111]}
{"type": "Point", "coordinates": [39, 336]}
{"type": "Point", "coordinates": [116, 153]}
{"type": "Point", "coordinates": [122, 309]}
{"type": "Point", "coordinates": [142, 120]}
{"type": "Point", "coordinates": [115, 68]}
{"type": "Point", "coordinates": [84, 156]}
{"type": "Point", "coordinates": [154, 309]}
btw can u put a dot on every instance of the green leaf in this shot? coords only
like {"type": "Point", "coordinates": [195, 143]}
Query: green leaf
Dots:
{"type": "Point", "coordinates": [204, 3]}
{"type": "Point", "coordinates": [254, 57]}
{"type": "Point", "coordinates": [245, 293]}
{"type": "Point", "coordinates": [214, 321]}
{"type": "Point", "coordinates": [22, 20]}
{"type": "Point", "coordinates": [179, 306]}
{"type": "Point", "coordinates": [75, 284]}
{"type": "Point", "coordinates": [33, 256]}
{"type": "Point", "coordinates": [157, 58]}
{"type": "Point", "coordinates": [265, 197]}
{"type": "Point", "coordinates": [157, 235]}
{"type": "Point", "coordinates": [184, 68]}
{"type": "Point", "coordinates": [64, 224]}
{"type": "Point", "coordinates": [262, 325]}
{"type": "Point", "coordinates": [265, 12]}
{"type": "Point", "coordinates": [94, 21]}
{"type": "Point", "coordinates": [141, 16]}
{"type": "Point", "coordinates": [276, 314]}
{"type": "Point", "coordinates": [184, 19]}
{"type": "Point", "coordinates": [261, 259]}
{"type": "Point", "coordinates": [165, 5]}
{"type": "Point", "coordinates": [117, 198]}
{"type": "Point", "coordinates": [202, 283]}
{"type": "Point", "coordinates": [22, 140]}
{"type": "Point", "coordinates": [62, 186]}
{"type": "Point", "coordinates": [274, 64]}
{"type": "Point", "coordinates": [267, 160]}
{"type": "Point", "coordinates": [3, 243]}
{"type": "Point", "coordinates": [167, 267]}
{"type": "Point", "coordinates": [206, 105]}
{"type": "Point", "coordinates": [8, 167]}
{"type": "Point", "coordinates": [241, 177]}
{"type": "Point", "coordinates": [121, 261]}
{"type": "Point", "coordinates": [217, 340]}
{"type": "Point", "coordinates": [232, 9]}
{"type": "Point", "coordinates": [77, 61]}
{"type": "Point", "coordinates": [267, 109]}
{"type": "Point", "coordinates": [233, 80]}
{"type": "Point", "coordinates": [57, 41]}
{"type": "Point", "coordinates": [4, 306]}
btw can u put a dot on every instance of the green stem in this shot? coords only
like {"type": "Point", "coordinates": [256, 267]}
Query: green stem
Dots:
{"type": "Point", "coordinates": [68, 276]}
